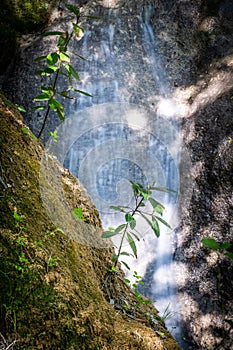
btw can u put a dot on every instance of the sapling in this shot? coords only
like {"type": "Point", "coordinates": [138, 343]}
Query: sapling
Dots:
{"type": "Point", "coordinates": [151, 211]}
{"type": "Point", "coordinates": [55, 65]}
{"type": "Point", "coordinates": [127, 230]}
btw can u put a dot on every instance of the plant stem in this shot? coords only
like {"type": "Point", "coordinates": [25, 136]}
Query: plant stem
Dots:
{"type": "Point", "coordinates": [126, 227]}
{"type": "Point", "coordinates": [44, 121]}
{"type": "Point", "coordinates": [120, 247]}
{"type": "Point", "coordinates": [55, 82]}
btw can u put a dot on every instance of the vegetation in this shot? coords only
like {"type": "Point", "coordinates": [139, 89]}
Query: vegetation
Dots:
{"type": "Point", "coordinates": [224, 248]}
{"type": "Point", "coordinates": [151, 214]}
{"type": "Point", "coordinates": [151, 211]}
{"type": "Point", "coordinates": [57, 64]}
{"type": "Point", "coordinates": [20, 17]}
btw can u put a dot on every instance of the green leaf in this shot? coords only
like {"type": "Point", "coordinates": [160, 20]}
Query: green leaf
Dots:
{"type": "Point", "coordinates": [136, 188]}
{"type": "Point", "coordinates": [229, 255]}
{"type": "Point", "coordinates": [73, 9]}
{"type": "Point", "coordinates": [108, 234]}
{"type": "Point", "coordinates": [137, 238]}
{"type": "Point", "coordinates": [112, 269]}
{"type": "Point", "coordinates": [225, 245]}
{"type": "Point", "coordinates": [132, 224]}
{"type": "Point", "coordinates": [77, 212]}
{"type": "Point", "coordinates": [66, 95]}
{"type": "Point", "coordinates": [17, 217]}
{"type": "Point", "coordinates": [72, 71]}
{"type": "Point", "coordinates": [52, 33]}
{"type": "Point", "coordinates": [52, 58]}
{"type": "Point", "coordinates": [47, 91]}
{"type": "Point", "coordinates": [64, 57]}
{"type": "Point", "coordinates": [114, 257]}
{"type": "Point", "coordinates": [155, 226]}
{"type": "Point", "coordinates": [82, 58]}
{"type": "Point", "coordinates": [79, 32]}
{"type": "Point", "coordinates": [139, 190]}
{"type": "Point", "coordinates": [158, 207]}
{"type": "Point", "coordinates": [38, 108]}
{"type": "Point", "coordinates": [130, 219]}
{"type": "Point", "coordinates": [163, 222]}
{"type": "Point", "coordinates": [163, 189]}
{"type": "Point", "coordinates": [57, 107]}
{"type": "Point", "coordinates": [39, 72]}
{"type": "Point", "coordinates": [146, 218]}
{"type": "Point", "coordinates": [210, 243]}
{"type": "Point", "coordinates": [40, 58]}
{"type": "Point", "coordinates": [145, 193]}
{"type": "Point", "coordinates": [132, 244]}
{"type": "Point", "coordinates": [20, 108]}
{"type": "Point", "coordinates": [125, 253]}
{"type": "Point", "coordinates": [41, 97]}
{"type": "Point", "coordinates": [50, 69]}
{"type": "Point", "coordinates": [63, 41]}
{"type": "Point", "coordinates": [126, 265]}
{"type": "Point", "coordinates": [120, 228]}
{"type": "Point", "coordinates": [82, 92]}
{"type": "Point", "coordinates": [118, 208]}
{"type": "Point", "coordinates": [127, 280]}
{"type": "Point", "coordinates": [25, 130]}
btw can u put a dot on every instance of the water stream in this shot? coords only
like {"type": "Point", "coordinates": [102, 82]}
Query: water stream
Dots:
{"type": "Point", "coordinates": [118, 138]}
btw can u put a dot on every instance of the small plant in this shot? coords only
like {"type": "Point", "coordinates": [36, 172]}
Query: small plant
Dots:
{"type": "Point", "coordinates": [138, 296]}
{"type": "Point", "coordinates": [55, 65]}
{"type": "Point", "coordinates": [12, 105]}
{"type": "Point", "coordinates": [27, 132]}
{"type": "Point", "coordinates": [54, 135]}
{"type": "Point", "coordinates": [127, 230]}
{"type": "Point", "coordinates": [224, 248]}
{"type": "Point", "coordinates": [52, 262]}
{"type": "Point", "coordinates": [17, 216]}
{"type": "Point", "coordinates": [168, 314]}
{"type": "Point", "coordinates": [78, 214]}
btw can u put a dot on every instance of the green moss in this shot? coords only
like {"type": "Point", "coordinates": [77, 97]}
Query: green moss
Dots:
{"type": "Point", "coordinates": [20, 17]}
{"type": "Point", "coordinates": [52, 295]}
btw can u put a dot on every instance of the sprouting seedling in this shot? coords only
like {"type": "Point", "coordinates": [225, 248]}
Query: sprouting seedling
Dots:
{"type": "Point", "coordinates": [127, 230]}
{"type": "Point", "coordinates": [54, 135]}
{"type": "Point", "coordinates": [17, 216]}
{"type": "Point", "coordinates": [78, 214]}
{"type": "Point", "coordinates": [224, 248]}
{"type": "Point", "coordinates": [55, 65]}
{"type": "Point", "coordinates": [137, 282]}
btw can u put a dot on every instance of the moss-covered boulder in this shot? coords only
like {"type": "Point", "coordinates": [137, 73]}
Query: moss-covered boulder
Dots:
{"type": "Point", "coordinates": [54, 293]}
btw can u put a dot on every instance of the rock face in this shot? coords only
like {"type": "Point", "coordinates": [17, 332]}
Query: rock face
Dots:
{"type": "Point", "coordinates": [54, 294]}
{"type": "Point", "coordinates": [203, 275]}
{"type": "Point", "coordinates": [194, 39]}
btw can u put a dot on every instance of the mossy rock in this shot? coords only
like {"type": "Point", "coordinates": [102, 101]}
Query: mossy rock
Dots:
{"type": "Point", "coordinates": [54, 293]}
{"type": "Point", "coordinates": [20, 17]}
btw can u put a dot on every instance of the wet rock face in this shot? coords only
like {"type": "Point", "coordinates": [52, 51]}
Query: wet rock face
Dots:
{"type": "Point", "coordinates": [204, 280]}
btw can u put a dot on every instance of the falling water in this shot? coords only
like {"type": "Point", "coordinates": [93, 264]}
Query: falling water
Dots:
{"type": "Point", "coordinates": [117, 138]}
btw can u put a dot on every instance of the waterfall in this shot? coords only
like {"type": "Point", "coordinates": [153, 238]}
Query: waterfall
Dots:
{"type": "Point", "coordinates": [118, 135]}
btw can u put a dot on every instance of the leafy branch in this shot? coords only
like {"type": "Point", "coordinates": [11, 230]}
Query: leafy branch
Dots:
{"type": "Point", "coordinates": [127, 230]}
{"type": "Point", "coordinates": [57, 64]}
{"type": "Point", "coordinates": [224, 248]}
